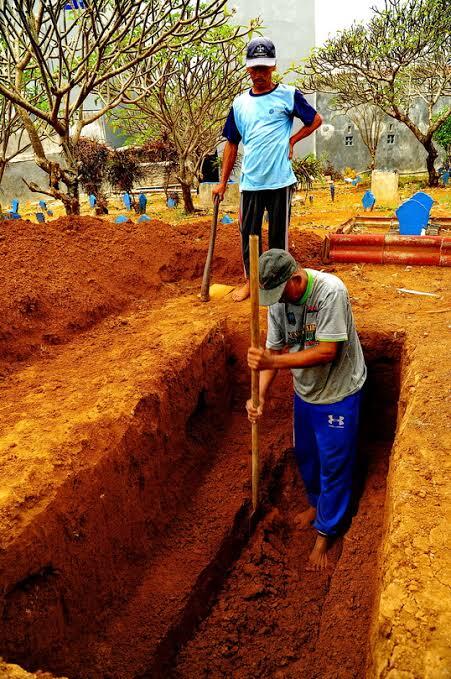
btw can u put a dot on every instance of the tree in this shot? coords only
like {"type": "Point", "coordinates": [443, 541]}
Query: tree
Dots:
{"type": "Point", "coordinates": [13, 140]}
{"type": "Point", "coordinates": [443, 137]}
{"type": "Point", "coordinates": [72, 56]}
{"type": "Point", "coordinates": [369, 121]}
{"type": "Point", "coordinates": [400, 59]}
{"type": "Point", "coordinates": [191, 100]}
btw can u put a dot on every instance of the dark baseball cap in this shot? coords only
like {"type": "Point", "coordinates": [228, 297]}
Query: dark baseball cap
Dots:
{"type": "Point", "coordinates": [275, 269]}
{"type": "Point", "coordinates": [261, 52]}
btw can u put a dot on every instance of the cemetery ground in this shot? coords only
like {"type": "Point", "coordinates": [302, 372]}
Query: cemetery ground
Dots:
{"type": "Point", "coordinates": [127, 548]}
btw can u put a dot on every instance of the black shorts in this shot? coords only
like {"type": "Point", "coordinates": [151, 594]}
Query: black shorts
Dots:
{"type": "Point", "coordinates": [252, 207]}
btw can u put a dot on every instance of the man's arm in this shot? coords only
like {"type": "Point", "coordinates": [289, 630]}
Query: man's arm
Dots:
{"type": "Point", "coordinates": [228, 162]}
{"type": "Point", "coordinates": [261, 359]}
{"type": "Point", "coordinates": [304, 132]}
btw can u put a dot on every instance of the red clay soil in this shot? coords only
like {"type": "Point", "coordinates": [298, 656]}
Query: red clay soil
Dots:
{"type": "Point", "coordinates": [63, 277]}
{"type": "Point", "coordinates": [274, 619]}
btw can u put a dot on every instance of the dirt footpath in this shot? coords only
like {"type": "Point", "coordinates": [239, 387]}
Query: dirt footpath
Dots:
{"type": "Point", "coordinates": [113, 372]}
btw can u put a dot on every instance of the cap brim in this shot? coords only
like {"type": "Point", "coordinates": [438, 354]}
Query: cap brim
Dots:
{"type": "Point", "coordinates": [260, 61]}
{"type": "Point", "coordinates": [269, 297]}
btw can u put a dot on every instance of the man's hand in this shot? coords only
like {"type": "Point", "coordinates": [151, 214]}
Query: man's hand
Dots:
{"type": "Point", "coordinates": [260, 359]}
{"type": "Point", "coordinates": [254, 414]}
{"type": "Point", "coordinates": [290, 149]}
{"type": "Point", "coordinates": [219, 190]}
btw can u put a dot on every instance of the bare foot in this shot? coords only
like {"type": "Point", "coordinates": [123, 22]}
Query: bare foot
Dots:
{"type": "Point", "coordinates": [304, 519]}
{"type": "Point", "coordinates": [318, 557]}
{"type": "Point", "coordinates": [241, 293]}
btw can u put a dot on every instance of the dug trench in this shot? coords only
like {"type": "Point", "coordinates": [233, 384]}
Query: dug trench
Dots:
{"type": "Point", "coordinates": [145, 563]}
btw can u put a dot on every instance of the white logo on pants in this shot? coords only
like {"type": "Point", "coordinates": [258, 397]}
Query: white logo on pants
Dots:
{"type": "Point", "coordinates": [336, 422]}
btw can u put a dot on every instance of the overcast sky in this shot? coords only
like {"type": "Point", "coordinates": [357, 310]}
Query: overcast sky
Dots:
{"type": "Point", "coordinates": [333, 15]}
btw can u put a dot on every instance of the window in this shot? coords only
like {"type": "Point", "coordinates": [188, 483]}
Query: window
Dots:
{"type": "Point", "coordinates": [349, 140]}
{"type": "Point", "coordinates": [390, 139]}
{"type": "Point", "coordinates": [349, 129]}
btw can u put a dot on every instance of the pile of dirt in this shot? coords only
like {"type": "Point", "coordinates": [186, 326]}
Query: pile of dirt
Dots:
{"type": "Point", "coordinates": [63, 277]}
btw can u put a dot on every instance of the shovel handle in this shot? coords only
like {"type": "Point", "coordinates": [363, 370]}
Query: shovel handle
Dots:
{"type": "Point", "coordinates": [255, 376]}
{"type": "Point", "coordinates": [205, 289]}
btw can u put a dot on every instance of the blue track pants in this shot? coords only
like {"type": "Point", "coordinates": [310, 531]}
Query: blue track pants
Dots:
{"type": "Point", "coordinates": [325, 441]}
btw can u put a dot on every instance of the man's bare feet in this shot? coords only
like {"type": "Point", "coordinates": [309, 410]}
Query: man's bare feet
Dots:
{"type": "Point", "coordinates": [242, 293]}
{"type": "Point", "coordinates": [318, 556]}
{"type": "Point", "coordinates": [304, 519]}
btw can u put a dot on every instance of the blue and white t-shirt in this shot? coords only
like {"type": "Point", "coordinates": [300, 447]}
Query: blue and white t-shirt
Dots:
{"type": "Point", "coordinates": [263, 123]}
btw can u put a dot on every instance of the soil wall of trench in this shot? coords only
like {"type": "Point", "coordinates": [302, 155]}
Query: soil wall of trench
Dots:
{"type": "Point", "coordinates": [83, 561]}
{"type": "Point", "coordinates": [73, 560]}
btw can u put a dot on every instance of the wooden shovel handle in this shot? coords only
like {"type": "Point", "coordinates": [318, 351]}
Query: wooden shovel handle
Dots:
{"type": "Point", "coordinates": [205, 289]}
{"type": "Point", "coordinates": [255, 376]}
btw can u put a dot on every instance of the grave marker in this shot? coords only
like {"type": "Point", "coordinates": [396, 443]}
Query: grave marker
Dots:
{"type": "Point", "coordinates": [142, 201]}
{"type": "Point", "coordinates": [368, 200]}
{"type": "Point", "coordinates": [127, 200]}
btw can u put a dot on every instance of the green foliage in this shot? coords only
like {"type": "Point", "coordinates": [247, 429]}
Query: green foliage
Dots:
{"type": "Point", "coordinates": [443, 134]}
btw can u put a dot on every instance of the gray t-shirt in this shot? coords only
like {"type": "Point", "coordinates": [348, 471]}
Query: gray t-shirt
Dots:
{"type": "Point", "coordinates": [323, 314]}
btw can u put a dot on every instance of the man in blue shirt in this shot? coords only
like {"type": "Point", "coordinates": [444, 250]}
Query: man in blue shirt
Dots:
{"type": "Point", "coordinates": [262, 118]}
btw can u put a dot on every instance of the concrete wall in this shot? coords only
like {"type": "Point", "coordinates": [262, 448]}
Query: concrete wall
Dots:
{"type": "Point", "coordinates": [405, 155]}
{"type": "Point", "coordinates": [13, 186]}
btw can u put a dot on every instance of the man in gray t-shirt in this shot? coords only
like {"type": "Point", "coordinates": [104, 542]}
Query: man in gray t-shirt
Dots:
{"type": "Point", "coordinates": [311, 331]}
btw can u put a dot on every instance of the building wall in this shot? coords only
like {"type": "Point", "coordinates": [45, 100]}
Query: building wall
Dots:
{"type": "Point", "coordinates": [406, 154]}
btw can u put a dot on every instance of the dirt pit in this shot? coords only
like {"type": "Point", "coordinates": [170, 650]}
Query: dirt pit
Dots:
{"type": "Point", "coordinates": [180, 582]}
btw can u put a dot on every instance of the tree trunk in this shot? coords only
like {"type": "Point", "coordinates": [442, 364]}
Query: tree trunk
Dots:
{"type": "Point", "coordinates": [187, 198]}
{"type": "Point", "coordinates": [71, 200]}
{"type": "Point", "coordinates": [430, 160]}
{"type": "Point", "coordinates": [2, 170]}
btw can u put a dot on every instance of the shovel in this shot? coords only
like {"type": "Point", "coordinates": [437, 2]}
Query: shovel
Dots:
{"type": "Point", "coordinates": [205, 289]}
{"type": "Point", "coordinates": [255, 375]}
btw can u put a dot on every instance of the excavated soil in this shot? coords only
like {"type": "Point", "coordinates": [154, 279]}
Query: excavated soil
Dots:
{"type": "Point", "coordinates": [126, 546]}
{"type": "Point", "coordinates": [65, 276]}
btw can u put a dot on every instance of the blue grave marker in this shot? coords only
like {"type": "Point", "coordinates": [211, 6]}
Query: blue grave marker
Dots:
{"type": "Point", "coordinates": [142, 201]}
{"type": "Point", "coordinates": [172, 202]}
{"type": "Point", "coordinates": [40, 216]}
{"type": "Point", "coordinates": [412, 217]}
{"type": "Point", "coordinates": [332, 191]}
{"type": "Point", "coordinates": [121, 219]}
{"type": "Point", "coordinates": [43, 205]}
{"type": "Point", "coordinates": [424, 199]}
{"type": "Point", "coordinates": [227, 220]}
{"type": "Point", "coordinates": [144, 218]}
{"type": "Point", "coordinates": [92, 200]}
{"type": "Point", "coordinates": [50, 213]}
{"type": "Point", "coordinates": [445, 178]}
{"type": "Point", "coordinates": [127, 200]}
{"type": "Point", "coordinates": [368, 200]}
{"type": "Point", "coordinates": [15, 205]}
{"type": "Point", "coordinates": [14, 215]}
